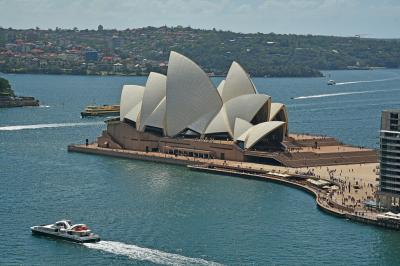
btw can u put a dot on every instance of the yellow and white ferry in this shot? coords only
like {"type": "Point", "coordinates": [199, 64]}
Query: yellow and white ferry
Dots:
{"type": "Point", "coordinates": [100, 110]}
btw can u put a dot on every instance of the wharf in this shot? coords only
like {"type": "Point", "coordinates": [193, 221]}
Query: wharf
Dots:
{"type": "Point", "coordinates": [327, 201]}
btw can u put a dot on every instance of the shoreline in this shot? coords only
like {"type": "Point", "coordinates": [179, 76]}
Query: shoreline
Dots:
{"type": "Point", "coordinates": [211, 76]}
{"type": "Point", "coordinates": [232, 168]}
{"type": "Point", "coordinates": [315, 192]}
{"type": "Point", "coordinates": [146, 75]}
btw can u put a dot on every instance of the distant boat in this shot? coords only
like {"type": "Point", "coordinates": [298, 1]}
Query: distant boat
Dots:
{"type": "Point", "coordinates": [331, 82]}
{"type": "Point", "coordinates": [101, 110]}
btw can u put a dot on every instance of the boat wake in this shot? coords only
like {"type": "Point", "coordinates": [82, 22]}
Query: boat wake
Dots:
{"type": "Point", "coordinates": [340, 94]}
{"type": "Point", "coordinates": [365, 81]}
{"type": "Point", "coordinates": [38, 126]}
{"type": "Point", "coordinates": [146, 254]}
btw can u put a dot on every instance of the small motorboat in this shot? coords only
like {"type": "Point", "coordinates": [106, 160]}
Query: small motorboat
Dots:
{"type": "Point", "coordinates": [65, 230]}
{"type": "Point", "coordinates": [331, 82]}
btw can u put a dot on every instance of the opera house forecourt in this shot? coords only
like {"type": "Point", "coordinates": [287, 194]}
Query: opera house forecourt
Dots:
{"type": "Point", "coordinates": [182, 118]}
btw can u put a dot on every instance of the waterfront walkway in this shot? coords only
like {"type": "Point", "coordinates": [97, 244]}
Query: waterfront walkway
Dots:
{"type": "Point", "coordinates": [354, 184]}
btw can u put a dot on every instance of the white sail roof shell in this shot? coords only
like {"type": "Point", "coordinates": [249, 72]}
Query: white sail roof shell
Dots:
{"type": "Point", "coordinates": [241, 126]}
{"type": "Point", "coordinates": [237, 83]}
{"type": "Point", "coordinates": [201, 124]}
{"type": "Point", "coordinates": [275, 109]}
{"type": "Point", "coordinates": [257, 132]}
{"type": "Point", "coordinates": [131, 95]}
{"type": "Point", "coordinates": [244, 107]}
{"type": "Point", "coordinates": [154, 93]}
{"type": "Point", "coordinates": [157, 117]}
{"type": "Point", "coordinates": [218, 124]}
{"type": "Point", "coordinates": [187, 99]}
{"type": "Point", "coordinates": [190, 94]}
{"type": "Point", "coordinates": [221, 87]}
{"type": "Point", "coordinates": [133, 114]}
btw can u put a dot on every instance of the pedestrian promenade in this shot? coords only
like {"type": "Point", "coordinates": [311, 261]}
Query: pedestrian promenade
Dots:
{"type": "Point", "coordinates": [351, 185]}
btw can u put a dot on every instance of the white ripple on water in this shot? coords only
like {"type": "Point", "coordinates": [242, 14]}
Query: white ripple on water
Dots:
{"type": "Point", "coordinates": [366, 81]}
{"type": "Point", "coordinates": [146, 254]}
{"type": "Point", "coordinates": [340, 94]}
{"type": "Point", "coordinates": [38, 126]}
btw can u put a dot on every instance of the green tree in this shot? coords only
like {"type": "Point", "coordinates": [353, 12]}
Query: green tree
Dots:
{"type": "Point", "coordinates": [5, 88]}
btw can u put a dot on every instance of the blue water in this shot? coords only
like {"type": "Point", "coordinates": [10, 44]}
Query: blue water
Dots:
{"type": "Point", "coordinates": [151, 213]}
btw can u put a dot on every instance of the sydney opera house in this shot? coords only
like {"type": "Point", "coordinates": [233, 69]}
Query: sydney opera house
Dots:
{"type": "Point", "coordinates": [183, 113]}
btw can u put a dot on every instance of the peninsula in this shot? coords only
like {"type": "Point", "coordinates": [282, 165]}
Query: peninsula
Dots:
{"type": "Point", "coordinates": [181, 118]}
{"type": "Point", "coordinates": [9, 99]}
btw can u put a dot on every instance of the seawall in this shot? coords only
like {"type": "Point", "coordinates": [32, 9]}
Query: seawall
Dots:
{"type": "Point", "coordinates": [320, 195]}
{"type": "Point", "coordinates": [315, 192]}
{"type": "Point", "coordinates": [126, 154]}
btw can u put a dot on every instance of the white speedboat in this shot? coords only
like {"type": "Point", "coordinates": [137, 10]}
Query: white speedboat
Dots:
{"type": "Point", "coordinates": [64, 229]}
{"type": "Point", "coordinates": [331, 82]}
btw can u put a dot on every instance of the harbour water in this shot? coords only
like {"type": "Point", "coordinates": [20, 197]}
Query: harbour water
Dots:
{"type": "Point", "coordinates": [149, 213]}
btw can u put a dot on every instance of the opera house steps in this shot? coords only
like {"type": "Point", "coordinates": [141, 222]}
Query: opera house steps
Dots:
{"type": "Point", "coordinates": [326, 141]}
{"type": "Point", "coordinates": [311, 159]}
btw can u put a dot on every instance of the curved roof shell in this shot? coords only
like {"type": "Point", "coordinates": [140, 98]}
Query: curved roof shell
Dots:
{"type": "Point", "coordinates": [275, 109]}
{"type": "Point", "coordinates": [221, 87]}
{"type": "Point", "coordinates": [241, 126]}
{"type": "Point", "coordinates": [157, 117]}
{"type": "Point", "coordinates": [186, 101]}
{"type": "Point", "coordinates": [133, 114]}
{"type": "Point", "coordinates": [218, 124]}
{"type": "Point", "coordinates": [279, 113]}
{"type": "Point", "coordinates": [190, 94]}
{"type": "Point", "coordinates": [131, 95]}
{"type": "Point", "coordinates": [154, 93]}
{"type": "Point", "coordinates": [237, 83]}
{"type": "Point", "coordinates": [257, 132]}
{"type": "Point", "coordinates": [201, 124]}
{"type": "Point", "coordinates": [245, 107]}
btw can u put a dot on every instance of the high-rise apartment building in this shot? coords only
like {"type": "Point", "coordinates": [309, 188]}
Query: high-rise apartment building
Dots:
{"type": "Point", "coordinates": [389, 193]}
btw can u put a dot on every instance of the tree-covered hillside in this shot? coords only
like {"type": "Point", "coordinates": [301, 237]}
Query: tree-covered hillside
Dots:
{"type": "Point", "coordinates": [138, 51]}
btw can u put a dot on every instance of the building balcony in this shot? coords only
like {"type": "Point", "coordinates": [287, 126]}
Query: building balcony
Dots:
{"type": "Point", "coordinates": [385, 156]}
{"type": "Point", "coordinates": [384, 136]}
{"type": "Point", "coordinates": [383, 176]}
{"type": "Point", "coordinates": [392, 189]}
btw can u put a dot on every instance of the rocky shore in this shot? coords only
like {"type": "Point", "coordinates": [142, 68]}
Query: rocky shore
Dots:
{"type": "Point", "coordinates": [9, 99]}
